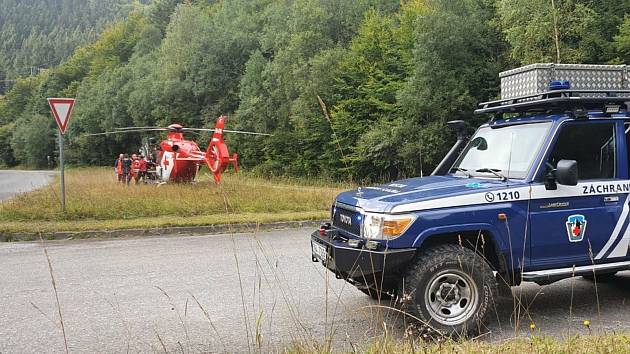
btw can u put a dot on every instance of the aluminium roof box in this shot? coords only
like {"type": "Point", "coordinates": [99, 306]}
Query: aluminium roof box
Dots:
{"type": "Point", "coordinates": [535, 78]}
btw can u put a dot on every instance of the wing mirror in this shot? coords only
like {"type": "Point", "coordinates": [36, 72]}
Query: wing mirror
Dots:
{"type": "Point", "coordinates": [565, 173]}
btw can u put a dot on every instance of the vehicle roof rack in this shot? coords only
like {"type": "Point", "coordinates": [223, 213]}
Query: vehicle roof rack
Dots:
{"type": "Point", "coordinates": [576, 102]}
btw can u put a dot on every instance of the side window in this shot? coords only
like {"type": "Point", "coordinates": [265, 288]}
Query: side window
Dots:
{"type": "Point", "coordinates": [591, 145]}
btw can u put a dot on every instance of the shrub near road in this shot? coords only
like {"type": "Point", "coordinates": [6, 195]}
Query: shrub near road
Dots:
{"type": "Point", "coordinates": [96, 201]}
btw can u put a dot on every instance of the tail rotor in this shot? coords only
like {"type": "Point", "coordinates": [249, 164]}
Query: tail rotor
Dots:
{"type": "Point", "coordinates": [217, 155]}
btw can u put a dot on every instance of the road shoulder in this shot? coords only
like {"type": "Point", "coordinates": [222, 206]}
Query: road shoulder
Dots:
{"type": "Point", "coordinates": [159, 231]}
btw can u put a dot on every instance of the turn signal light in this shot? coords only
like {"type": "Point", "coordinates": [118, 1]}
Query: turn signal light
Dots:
{"type": "Point", "coordinates": [395, 227]}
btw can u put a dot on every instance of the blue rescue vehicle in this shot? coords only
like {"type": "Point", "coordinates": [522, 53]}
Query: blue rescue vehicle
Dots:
{"type": "Point", "coordinates": [538, 193]}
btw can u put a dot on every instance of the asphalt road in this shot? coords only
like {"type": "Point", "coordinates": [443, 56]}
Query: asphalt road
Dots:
{"type": "Point", "coordinates": [140, 295]}
{"type": "Point", "coordinates": [13, 181]}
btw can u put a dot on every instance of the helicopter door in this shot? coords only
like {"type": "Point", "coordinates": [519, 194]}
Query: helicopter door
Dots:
{"type": "Point", "coordinates": [167, 163]}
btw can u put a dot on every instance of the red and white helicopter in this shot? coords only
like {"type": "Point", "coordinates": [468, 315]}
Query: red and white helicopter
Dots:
{"type": "Point", "coordinates": [178, 159]}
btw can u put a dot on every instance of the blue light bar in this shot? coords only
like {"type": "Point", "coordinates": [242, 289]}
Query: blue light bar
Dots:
{"type": "Point", "coordinates": [559, 85]}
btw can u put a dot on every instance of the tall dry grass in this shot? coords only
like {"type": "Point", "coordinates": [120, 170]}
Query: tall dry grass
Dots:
{"type": "Point", "coordinates": [605, 344]}
{"type": "Point", "coordinates": [94, 194]}
{"type": "Point", "coordinates": [95, 201]}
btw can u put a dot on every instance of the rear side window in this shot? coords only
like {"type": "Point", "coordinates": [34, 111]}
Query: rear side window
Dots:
{"type": "Point", "coordinates": [591, 145]}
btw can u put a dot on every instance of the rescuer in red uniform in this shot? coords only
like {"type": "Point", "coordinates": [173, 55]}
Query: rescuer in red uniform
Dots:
{"type": "Point", "coordinates": [143, 168]}
{"type": "Point", "coordinates": [118, 167]}
{"type": "Point", "coordinates": [135, 168]}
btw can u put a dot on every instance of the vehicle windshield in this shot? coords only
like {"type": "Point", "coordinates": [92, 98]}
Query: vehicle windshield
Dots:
{"type": "Point", "coordinates": [506, 151]}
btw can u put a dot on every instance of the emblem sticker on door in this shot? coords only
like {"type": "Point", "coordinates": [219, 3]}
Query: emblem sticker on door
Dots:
{"type": "Point", "coordinates": [576, 227]}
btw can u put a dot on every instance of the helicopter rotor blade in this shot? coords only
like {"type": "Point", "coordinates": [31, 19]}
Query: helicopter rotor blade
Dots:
{"type": "Point", "coordinates": [227, 131]}
{"type": "Point", "coordinates": [128, 131]}
{"type": "Point", "coordinates": [199, 129]}
{"type": "Point", "coordinates": [134, 128]}
{"type": "Point", "coordinates": [243, 132]}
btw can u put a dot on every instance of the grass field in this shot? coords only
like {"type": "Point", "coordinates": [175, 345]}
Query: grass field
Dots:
{"type": "Point", "coordinates": [95, 201]}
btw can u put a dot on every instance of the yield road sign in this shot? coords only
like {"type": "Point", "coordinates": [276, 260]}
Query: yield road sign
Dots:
{"type": "Point", "coordinates": [62, 110]}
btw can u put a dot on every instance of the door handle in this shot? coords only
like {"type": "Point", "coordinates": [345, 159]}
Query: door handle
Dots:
{"type": "Point", "coordinates": [611, 199]}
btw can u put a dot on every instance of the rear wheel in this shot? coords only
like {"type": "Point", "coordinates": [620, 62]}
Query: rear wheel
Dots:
{"type": "Point", "coordinates": [451, 288]}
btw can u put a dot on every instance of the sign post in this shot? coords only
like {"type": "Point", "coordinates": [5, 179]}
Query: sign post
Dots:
{"type": "Point", "coordinates": [62, 111]}
{"type": "Point", "coordinates": [61, 166]}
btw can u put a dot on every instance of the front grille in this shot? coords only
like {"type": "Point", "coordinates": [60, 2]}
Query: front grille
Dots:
{"type": "Point", "coordinates": [347, 220]}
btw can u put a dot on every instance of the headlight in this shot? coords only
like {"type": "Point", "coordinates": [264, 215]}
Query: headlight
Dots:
{"type": "Point", "coordinates": [385, 227]}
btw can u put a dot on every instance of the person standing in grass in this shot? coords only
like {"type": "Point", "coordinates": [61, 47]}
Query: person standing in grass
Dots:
{"type": "Point", "coordinates": [126, 168]}
{"type": "Point", "coordinates": [142, 169]}
{"type": "Point", "coordinates": [118, 167]}
{"type": "Point", "coordinates": [135, 168]}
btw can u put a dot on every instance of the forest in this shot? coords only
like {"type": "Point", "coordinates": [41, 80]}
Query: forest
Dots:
{"type": "Point", "coordinates": [36, 35]}
{"type": "Point", "coordinates": [355, 90]}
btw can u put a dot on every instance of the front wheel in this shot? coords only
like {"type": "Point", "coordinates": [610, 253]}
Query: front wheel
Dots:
{"type": "Point", "coordinates": [451, 288]}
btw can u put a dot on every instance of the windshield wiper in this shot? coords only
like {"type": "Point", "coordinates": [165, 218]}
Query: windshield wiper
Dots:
{"type": "Point", "coordinates": [462, 170]}
{"type": "Point", "coordinates": [494, 171]}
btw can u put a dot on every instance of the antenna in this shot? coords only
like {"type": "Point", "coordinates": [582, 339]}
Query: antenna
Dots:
{"type": "Point", "coordinates": [421, 172]}
{"type": "Point", "coordinates": [507, 179]}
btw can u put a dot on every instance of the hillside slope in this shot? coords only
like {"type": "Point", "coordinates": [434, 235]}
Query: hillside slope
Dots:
{"type": "Point", "coordinates": [36, 34]}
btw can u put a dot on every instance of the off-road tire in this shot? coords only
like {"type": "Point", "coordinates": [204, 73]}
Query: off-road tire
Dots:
{"type": "Point", "coordinates": [432, 267]}
{"type": "Point", "coordinates": [601, 278]}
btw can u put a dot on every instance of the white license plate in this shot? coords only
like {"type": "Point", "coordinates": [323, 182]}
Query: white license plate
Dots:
{"type": "Point", "coordinates": [319, 251]}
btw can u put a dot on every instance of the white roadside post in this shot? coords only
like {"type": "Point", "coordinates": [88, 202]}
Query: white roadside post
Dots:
{"type": "Point", "coordinates": [62, 111]}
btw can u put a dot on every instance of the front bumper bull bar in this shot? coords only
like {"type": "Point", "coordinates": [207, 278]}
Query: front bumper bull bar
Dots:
{"type": "Point", "coordinates": [358, 263]}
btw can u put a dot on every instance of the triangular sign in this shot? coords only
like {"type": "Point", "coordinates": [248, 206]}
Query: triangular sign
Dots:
{"type": "Point", "coordinates": [62, 110]}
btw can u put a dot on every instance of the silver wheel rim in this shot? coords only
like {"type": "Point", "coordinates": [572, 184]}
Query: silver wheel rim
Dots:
{"type": "Point", "coordinates": [451, 297]}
